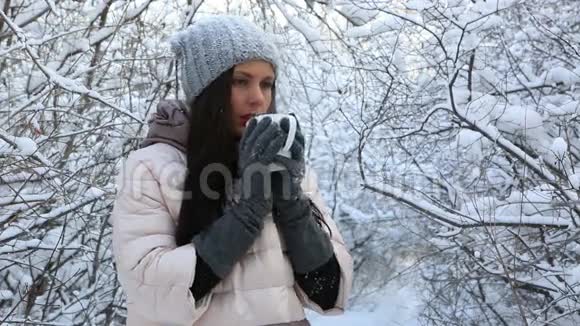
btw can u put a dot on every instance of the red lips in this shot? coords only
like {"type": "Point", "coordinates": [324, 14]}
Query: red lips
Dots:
{"type": "Point", "coordinates": [245, 118]}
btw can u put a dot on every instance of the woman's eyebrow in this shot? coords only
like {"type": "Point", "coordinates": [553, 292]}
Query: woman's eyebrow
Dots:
{"type": "Point", "coordinates": [247, 74]}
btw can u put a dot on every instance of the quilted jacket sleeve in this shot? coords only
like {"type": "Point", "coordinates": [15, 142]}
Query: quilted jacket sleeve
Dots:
{"type": "Point", "coordinates": [153, 271]}
{"type": "Point", "coordinates": [310, 187]}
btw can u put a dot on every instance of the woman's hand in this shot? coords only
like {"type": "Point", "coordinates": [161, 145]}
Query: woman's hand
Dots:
{"type": "Point", "coordinates": [286, 184]}
{"type": "Point", "coordinates": [258, 148]}
{"type": "Point", "coordinates": [260, 143]}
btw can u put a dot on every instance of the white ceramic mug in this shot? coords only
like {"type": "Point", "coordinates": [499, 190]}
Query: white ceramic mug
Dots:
{"type": "Point", "coordinates": [277, 118]}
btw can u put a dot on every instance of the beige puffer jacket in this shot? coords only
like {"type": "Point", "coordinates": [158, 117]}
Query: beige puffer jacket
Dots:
{"type": "Point", "coordinates": [156, 274]}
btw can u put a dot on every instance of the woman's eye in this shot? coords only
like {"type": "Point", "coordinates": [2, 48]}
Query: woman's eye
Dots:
{"type": "Point", "coordinates": [267, 85]}
{"type": "Point", "coordinates": [241, 82]}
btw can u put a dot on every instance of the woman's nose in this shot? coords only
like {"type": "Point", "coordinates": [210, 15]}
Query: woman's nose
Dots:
{"type": "Point", "coordinates": [257, 95]}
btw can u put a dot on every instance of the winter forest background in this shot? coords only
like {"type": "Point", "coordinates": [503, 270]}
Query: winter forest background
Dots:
{"type": "Point", "coordinates": [446, 136]}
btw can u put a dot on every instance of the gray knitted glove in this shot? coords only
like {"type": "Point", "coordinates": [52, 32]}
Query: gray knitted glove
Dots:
{"type": "Point", "coordinates": [308, 245]}
{"type": "Point", "coordinates": [226, 240]}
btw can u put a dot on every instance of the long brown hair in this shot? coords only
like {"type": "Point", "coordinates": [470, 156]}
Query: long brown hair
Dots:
{"type": "Point", "coordinates": [211, 140]}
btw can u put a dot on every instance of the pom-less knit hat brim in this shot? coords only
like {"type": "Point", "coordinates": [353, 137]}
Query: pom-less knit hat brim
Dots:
{"type": "Point", "coordinates": [214, 44]}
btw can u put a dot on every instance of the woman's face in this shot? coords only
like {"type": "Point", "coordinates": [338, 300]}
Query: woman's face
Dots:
{"type": "Point", "coordinates": [252, 83]}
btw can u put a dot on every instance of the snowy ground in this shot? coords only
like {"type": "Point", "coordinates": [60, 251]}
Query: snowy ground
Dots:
{"type": "Point", "coordinates": [349, 318]}
{"type": "Point", "coordinates": [399, 307]}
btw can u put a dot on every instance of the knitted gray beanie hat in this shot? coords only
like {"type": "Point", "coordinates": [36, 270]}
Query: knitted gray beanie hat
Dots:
{"type": "Point", "coordinates": [214, 44]}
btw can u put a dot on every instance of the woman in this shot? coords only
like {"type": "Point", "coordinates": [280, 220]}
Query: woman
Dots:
{"type": "Point", "coordinates": [198, 238]}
